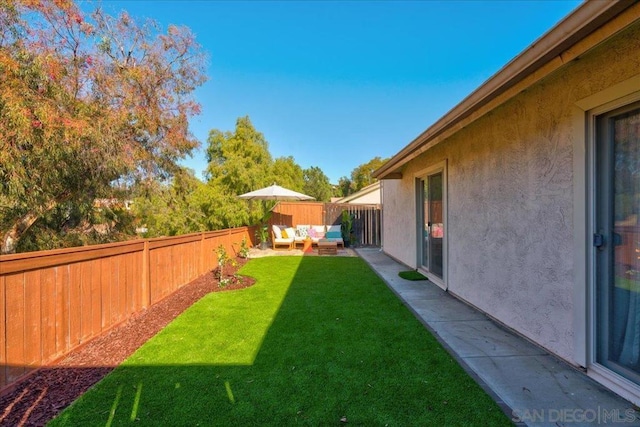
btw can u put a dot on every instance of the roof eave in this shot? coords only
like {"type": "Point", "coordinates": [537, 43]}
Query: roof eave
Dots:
{"type": "Point", "coordinates": [583, 21]}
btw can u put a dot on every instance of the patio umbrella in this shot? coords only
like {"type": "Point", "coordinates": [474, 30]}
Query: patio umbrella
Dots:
{"type": "Point", "coordinates": [275, 192]}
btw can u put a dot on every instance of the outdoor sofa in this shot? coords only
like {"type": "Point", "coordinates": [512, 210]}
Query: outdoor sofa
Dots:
{"type": "Point", "coordinates": [290, 237]}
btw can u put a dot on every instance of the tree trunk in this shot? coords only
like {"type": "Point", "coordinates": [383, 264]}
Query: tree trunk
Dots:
{"type": "Point", "coordinates": [12, 236]}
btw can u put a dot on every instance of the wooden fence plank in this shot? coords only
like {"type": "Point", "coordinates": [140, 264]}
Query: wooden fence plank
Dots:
{"type": "Point", "coordinates": [107, 293]}
{"type": "Point", "coordinates": [75, 305]}
{"type": "Point", "coordinates": [85, 301]}
{"type": "Point", "coordinates": [134, 281]}
{"type": "Point", "coordinates": [33, 318]}
{"type": "Point", "coordinates": [96, 297]}
{"type": "Point", "coordinates": [48, 308]}
{"type": "Point", "coordinates": [156, 274]}
{"type": "Point", "coordinates": [174, 267]}
{"type": "Point", "coordinates": [145, 276]}
{"type": "Point", "coordinates": [51, 302]}
{"type": "Point", "coordinates": [123, 310]}
{"type": "Point", "coordinates": [15, 315]}
{"type": "Point", "coordinates": [63, 310]}
{"type": "Point", "coordinates": [3, 331]}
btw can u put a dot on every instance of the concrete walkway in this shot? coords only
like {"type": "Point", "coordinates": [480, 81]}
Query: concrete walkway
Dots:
{"type": "Point", "coordinates": [531, 386]}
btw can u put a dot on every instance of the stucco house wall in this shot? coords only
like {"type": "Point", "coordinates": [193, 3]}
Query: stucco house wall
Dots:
{"type": "Point", "coordinates": [510, 196]}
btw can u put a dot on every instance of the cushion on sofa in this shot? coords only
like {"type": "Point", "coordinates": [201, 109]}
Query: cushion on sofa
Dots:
{"type": "Point", "coordinates": [276, 231]}
{"type": "Point", "coordinates": [333, 228]}
{"type": "Point", "coordinates": [290, 231]}
{"type": "Point", "coordinates": [319, 230]}
{"type": "Point", "coordinates": [333, 235]}
{"type": "Point", "coordinates": [302, 231]}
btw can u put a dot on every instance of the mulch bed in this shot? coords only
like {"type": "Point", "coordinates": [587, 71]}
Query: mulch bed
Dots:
{"type": "Point", "coordinates": [41, 396]}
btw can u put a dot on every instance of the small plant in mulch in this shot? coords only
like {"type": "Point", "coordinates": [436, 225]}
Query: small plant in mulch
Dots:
{"type": "Point", "coordinates": [243, 252]}
{"type": "Point", "coordinates": [221, 273]}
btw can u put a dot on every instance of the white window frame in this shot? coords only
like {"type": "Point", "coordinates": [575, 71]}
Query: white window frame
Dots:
{"type": "Point", "coordinates": [585, 113]}
{"type": "Point", "coordinates": [421, 174]}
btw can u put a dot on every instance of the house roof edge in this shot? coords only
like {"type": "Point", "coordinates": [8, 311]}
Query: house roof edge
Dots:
{"type": "Point", "coordinates": [582, 21]}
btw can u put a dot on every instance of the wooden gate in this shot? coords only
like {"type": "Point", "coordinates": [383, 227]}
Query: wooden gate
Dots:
{"type": "Point", "coordinates": [366, 221]}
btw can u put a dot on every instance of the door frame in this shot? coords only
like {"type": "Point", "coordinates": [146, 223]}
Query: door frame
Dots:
{"type": "Point", "coordinates": [440, 167]}
{"type": "Point", "coordinates": [618, 96]}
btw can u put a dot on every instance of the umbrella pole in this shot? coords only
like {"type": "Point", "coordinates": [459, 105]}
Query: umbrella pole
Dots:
{"type": "Point", "coordinates": [279, 214]}
{"type": "Point", "coordinates": [279, 219]}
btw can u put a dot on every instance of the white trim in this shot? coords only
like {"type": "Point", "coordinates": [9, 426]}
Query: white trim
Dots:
{"type": "Point", "coordinates": [381, 215]}
{"type": "Point", "coordinates": [435, 168]}
{"type": "Point", "coordinates": [616, 383]}
{"type": "Point", "coordinates": [581, 170]}
{"type": "Point", "coordinates": [599, 102]}
{"type": "Point", "coordinates": [619, 95]}
{"type": "Point", "coordinates": [430, 170]}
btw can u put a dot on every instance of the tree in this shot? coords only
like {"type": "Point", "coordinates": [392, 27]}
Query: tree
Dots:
{"type": "Point", "coordinates": [171, 208]}
{"type": "Point", "coordinates": [287, 173]}
{"type": "Point", "coordinates": [362, 175]}
{"type": "Point", "coordinates": [239, 162]}
{"type": "Point", "coordinates": [85, 104]}
{"type": "Point", "coordinates": [344, 187]}
{"type": "Point", "coordinates": [316, 184]}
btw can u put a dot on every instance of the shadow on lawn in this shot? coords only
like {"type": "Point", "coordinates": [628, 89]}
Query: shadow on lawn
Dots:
{"type": "Point", "coordinates": [330, 354]}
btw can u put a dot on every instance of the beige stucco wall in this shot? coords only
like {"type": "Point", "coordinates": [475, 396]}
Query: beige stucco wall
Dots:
{"type": "Point", "coordinates": [510, 199]}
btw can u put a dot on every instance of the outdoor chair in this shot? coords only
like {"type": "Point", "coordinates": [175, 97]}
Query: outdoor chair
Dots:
{"type": "Point", "coordinates": [279, 241]}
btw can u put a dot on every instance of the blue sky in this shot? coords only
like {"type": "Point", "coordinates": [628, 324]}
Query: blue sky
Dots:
{"type": "Point", "coordinates": [336, 83]}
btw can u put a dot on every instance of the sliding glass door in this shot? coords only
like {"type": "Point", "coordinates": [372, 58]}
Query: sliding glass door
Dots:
{"type": "Point", "coordinates": [617, 241]}
{"type": "Point", "coordinates": [431, 223]}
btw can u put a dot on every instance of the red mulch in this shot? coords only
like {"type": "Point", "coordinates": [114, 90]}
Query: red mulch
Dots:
{"type": "Point", "coordinates": [42, 395]}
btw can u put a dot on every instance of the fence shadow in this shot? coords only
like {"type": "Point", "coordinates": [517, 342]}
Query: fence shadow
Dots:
{"type": "Point", "coordinates": [326, 354]}
{"type": "Point", "coordinates": [304, 349]}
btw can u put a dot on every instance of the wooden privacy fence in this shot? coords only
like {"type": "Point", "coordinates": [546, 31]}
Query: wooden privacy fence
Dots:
{"type": "Point", "coordinates": [366, 221]}
{"type": "Point", "coordinates": [366, 224]}
{"type": "Point", "coordinates": [51, 302]}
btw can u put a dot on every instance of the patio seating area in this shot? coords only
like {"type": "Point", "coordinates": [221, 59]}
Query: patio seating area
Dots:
{"type": "Point", "coordinates": [305, 236]}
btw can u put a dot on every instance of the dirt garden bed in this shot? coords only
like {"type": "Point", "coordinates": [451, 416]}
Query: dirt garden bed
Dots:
{"type": "Point", "coordinates": [41, 396]}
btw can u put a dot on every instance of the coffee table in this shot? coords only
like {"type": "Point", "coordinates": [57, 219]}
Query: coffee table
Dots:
{"type": "Point", "coordinates": [306, 244]}
{"type": "Point", "coordinates": [327, 247]}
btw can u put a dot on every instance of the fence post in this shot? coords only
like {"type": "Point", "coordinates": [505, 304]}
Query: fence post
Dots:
{"type": "Point", "coordinates": [202, 266]}
{"type": "Point", "coordinates": [146, 271]}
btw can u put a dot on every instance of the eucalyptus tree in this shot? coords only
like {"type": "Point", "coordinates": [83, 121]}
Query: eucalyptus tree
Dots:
{"type": "Point", "coordinates": [172, 207]}
{"type": "Point", "coordinates": [86, 102]}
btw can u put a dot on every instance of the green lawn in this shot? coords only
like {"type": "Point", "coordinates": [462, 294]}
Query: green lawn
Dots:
{"type": "Point", "coordinates": [316, 339]}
